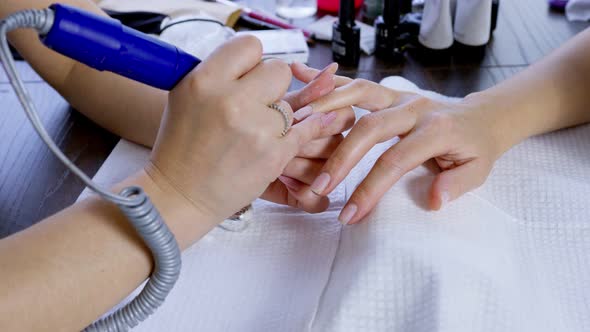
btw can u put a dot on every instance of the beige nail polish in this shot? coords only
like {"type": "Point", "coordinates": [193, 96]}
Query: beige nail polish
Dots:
{"type": "Point", "coordinates": [320, 183]}
{"type": "Point", "coordinates": [347, 213]}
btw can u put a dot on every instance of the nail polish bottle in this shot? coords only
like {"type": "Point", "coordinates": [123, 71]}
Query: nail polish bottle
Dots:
{"type": "Point", "coordinates": [472, 23]}
{"type": "Point", "coordinates": [436, 30]}
{"type": "Point", "coordinates": [346, 36]}
{"type": "Point", "coordinates": [405, 6]}
{"type": "Point", "coordinates": [386, 31]}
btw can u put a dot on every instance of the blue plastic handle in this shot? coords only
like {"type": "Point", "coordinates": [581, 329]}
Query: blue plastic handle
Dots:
{"type": "Point", "coordinates": [106, 44]}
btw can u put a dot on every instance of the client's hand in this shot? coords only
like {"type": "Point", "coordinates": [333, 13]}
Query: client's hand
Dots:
{"type": "Point", "coordinates": [219, 144]}
{"type": "Point", "coordinates": [460, 137]}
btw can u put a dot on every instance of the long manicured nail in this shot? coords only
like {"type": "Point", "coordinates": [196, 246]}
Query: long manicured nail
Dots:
{"type": "Point", "coordinates": [291, 183]}
{"type": "Point", "coordinates": [444, 198]}
{"type": "Point", "coordinates": [320, 183]}
{"type": "Point", "coordinates": [303, 113]}
{"type": "Point", "coordinates": [328, 118]}
{"type": "Point", "coordinates": [347, 213]}
{"type": "Point", "coordinates": [325, 69]}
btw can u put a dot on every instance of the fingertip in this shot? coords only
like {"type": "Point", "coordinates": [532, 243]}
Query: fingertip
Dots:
{"type": "Point", "coordinates": [320, 183]}
{"type": "Point", "coordinates": [323, 205]}
{"type": "Point", "coordinates": [434, 201]}
{"type": "Point", "coordinates": [440, 192]}
{"type": "Point", "coordinates": [251, 43]}
{"type": "Point", "coordinates": [332, 68]}
{"type": "Point", "coordinates": [348, 215]}
{"type": "Point", "coordinates": [335, 65]}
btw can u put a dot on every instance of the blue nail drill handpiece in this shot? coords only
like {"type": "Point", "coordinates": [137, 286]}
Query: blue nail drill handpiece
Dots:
{"type": "Point", "coordinates": [107, 45]}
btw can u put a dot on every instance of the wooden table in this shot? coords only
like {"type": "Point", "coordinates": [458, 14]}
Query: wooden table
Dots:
{"type": "Point", "coordinates": [34, 184]}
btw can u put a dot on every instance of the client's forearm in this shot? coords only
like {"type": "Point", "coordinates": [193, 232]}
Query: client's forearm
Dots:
{"type": "Point", "coordinates": [549, 95]}
{"type": "Point", "coordinates": [126, 108]}
{"type": "Point", "coordinates": [64, 272]}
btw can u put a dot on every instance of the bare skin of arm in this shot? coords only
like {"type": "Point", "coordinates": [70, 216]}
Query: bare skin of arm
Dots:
{"type": "Point", "coordinates": [62, 273]}
{"type": "Point", "coordinates": [549, 95]}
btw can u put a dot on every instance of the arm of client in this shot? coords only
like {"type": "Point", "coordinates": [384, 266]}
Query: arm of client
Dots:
{"type": "Point", "coordinates": [133, 110]}
{"type": "Point", "coordinates": [218, 149]}
{"type": "Point", "coordinates": [465, 138]}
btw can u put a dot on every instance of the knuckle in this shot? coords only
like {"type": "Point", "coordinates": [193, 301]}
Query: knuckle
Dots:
{"type": "Point", "coordinates": [392, 162]}
{"type": "Point", "coordinates": [250, 44]}
{"type": "Point", "coordinates": [279, 68]}
{"type": "Point", "coordinates": [360, 84]}
{"type": "Point", "coordinates": [439, 123]}
{"type": "Point", "coordinates": [230, 112]}
{"type": "Point", "coordinates": [369, 122]}
{"type": "Point", "coordinates": [421, 102]}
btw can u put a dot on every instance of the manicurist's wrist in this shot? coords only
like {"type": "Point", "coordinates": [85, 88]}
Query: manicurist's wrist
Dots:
{"type": "Point", "coordinates": [185, 219]}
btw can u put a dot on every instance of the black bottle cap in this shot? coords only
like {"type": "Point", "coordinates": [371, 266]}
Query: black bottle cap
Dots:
{"type": "Point", "coordinates": [391, 12]}
{"type": "Point", "coordinates": [346, 13]}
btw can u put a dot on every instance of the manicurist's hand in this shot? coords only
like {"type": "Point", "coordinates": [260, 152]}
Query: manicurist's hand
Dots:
{"type": "Point", "coordinates": [461, 138]}
{"type": "Point", "coordinates": [293, 186]}
{"type": "Point", "coordinates": [220, 144]}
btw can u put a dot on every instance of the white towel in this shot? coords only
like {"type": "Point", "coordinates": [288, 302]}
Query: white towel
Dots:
{"type": "Point", "coordinates": [513, 255]}
{"type": "Point", "coordinates": [269, 277]}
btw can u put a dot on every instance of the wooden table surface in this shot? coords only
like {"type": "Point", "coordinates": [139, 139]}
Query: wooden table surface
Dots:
{"type": "Point", "coordinates": [34, 184]}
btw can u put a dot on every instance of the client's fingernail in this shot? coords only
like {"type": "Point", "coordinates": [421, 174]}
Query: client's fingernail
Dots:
{"type": "Point", "coordinates": [347, 213]}
{"type": "Point", "coordinates": [328, 118]}
{"type": "Point", "coordinates": [320, 183]}
{"type": "Point", "coordinates": [444, 198]}
{"type": "Point", "coordinates": [291, 183]}
{"type": "Point", "coordinates": [325, 69]}
{"type": "Point", "coordinates": [303, 113]}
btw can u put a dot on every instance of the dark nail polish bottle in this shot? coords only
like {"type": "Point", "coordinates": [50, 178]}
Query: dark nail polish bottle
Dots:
{"type": "Point", "coordinates": [386, 31]}
{"type": "Point", "coordinates": [346, 36]}
{"type": "Point", "coordinates": [405, 6]}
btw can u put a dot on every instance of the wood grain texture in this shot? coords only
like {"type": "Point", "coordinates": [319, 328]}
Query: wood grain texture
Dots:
{"type": "Point", "coordinates": [33, 184]}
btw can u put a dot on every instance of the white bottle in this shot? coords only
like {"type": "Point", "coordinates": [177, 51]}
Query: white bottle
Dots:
{"type": "Point", "coordinates": [436, 29]}
{"type": "Point", "coordinates": [473, 19]}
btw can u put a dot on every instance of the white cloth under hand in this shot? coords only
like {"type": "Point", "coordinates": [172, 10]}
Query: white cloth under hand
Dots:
{"type": "Point", "coordinates": [513, 255]}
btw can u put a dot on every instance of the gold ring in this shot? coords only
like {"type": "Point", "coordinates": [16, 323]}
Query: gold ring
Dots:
{"type": "Point", "coordinates": [286, 117]}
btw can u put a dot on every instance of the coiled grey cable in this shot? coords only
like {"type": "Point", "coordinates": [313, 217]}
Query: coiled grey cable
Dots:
{"type": "Point", "coordinates": [132, 201]}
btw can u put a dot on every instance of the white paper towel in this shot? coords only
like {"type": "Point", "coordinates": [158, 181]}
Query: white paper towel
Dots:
{"type": "Point", "coordinates": [513, 255]}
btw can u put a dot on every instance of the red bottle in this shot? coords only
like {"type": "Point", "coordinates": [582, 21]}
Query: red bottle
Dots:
{"type": "Point", "coordinates": [332, 6]}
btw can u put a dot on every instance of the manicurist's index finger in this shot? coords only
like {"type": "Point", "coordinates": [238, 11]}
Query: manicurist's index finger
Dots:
{"type": "Point", "coordinates": [233, 58]}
